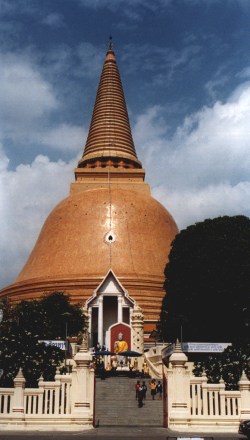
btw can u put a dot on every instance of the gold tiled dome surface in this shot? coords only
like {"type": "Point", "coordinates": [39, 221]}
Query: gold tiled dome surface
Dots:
{"type": "Point", "coordinates": [72, 254]}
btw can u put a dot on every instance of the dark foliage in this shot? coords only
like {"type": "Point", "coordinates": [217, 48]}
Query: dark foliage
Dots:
{"type": "Point", "coordinates": [26, 324]}
{"type": "Point", "coordinates": [208, 283]}
{"type": "Point", "coordinates": [49, 315]}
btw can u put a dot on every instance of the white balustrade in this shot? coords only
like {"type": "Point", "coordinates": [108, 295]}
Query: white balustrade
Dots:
{"type": "Point", "coordinates": [212, 399]}
{"type": "Point", "coordinates": [52, 405]}
{"type": "Point", "coordinates": [6, 400]}
{"type": "Point", "coordinates": [205, 407]}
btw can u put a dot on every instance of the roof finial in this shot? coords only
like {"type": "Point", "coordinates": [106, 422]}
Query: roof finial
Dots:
{"type": "Point", "coordinates": [110, 43]}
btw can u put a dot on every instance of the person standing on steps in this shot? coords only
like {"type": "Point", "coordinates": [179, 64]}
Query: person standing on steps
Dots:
{"type": "Point", "coordinates": [101, 368]}
{"type": "Point", "coordinates": [153, 389]}
{"type": "Point", "coordinates": [159, 390]}
{"type": "Point", "coordinates": [144, 388]}
{"type": "Point", "coordinates": [137, 386]}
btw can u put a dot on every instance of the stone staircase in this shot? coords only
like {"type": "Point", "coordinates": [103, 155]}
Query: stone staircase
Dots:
{"type": "Point", "coordinates": [115, 404]}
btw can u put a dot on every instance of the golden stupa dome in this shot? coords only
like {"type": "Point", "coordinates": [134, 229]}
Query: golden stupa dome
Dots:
{"type": "Point", "coordinates": [109, 221]}
{"type": "Point", "coordinates": [92, 231]}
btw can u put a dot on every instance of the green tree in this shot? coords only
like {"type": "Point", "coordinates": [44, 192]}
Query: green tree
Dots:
{"type": "Point", "coordinates": [208, 282]}
{"type": "Point", "coordinates": [48, 316]}
{"type": "Point", "coordinates": [24, 325]}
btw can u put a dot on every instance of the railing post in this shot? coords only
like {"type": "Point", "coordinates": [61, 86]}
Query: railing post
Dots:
{"type": "Point", "coordinates": [40, 396]}
{"type": "Point", "coordinates": [91, 389]}
{"type": "Point", "coordinates": [244, 387]}
{"type": "Point", "coordinates": [222, 398]}
{"type": "Point", "coordinates": [57, 391]}
{"type": "Point", "coordinates": [18, 398]}
{"type": "Point", "coordinates": [178, 389]}
{"type": "Point", "coordinates": [82, 385]}
{"type": "Point", "coordinates": [204, 394]}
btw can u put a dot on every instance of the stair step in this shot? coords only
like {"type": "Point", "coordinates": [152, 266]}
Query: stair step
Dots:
{"type": "Point", "coordinates": [116, 404]}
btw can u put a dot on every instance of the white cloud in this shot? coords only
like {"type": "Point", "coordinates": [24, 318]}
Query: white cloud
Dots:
{"type": "Point", "coordinates": [191, 205]}
{"type": "Point", "coordinates": [63, 137]}
{"type": "Point", "coordinates": [213, 144]}
{"type": "Point", "coordinates": [27, 102]}
{"type": "Point", "coordinates": [25, 94]}
{"type": "Point", "coordinates": [205, 166]}
{"type": "Point", "coordinates": [27, 196]}
{"type": "Point", "coordinates": [245, 73]}
{"type": "Point", "coordinates": [215, 85]}
{"type": "Point", "coordinates": [156, 126]}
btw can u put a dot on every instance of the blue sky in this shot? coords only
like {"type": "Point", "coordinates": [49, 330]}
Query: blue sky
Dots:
{"type": "Point", "coordinates": [185, 69]}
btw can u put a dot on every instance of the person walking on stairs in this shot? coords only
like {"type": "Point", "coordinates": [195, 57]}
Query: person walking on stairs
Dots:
{"type": "Point", "coordinates": [140, 397]}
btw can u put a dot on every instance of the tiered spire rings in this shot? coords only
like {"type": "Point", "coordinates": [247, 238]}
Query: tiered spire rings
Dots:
{"type": "Point", "coordinates": [110, 141]}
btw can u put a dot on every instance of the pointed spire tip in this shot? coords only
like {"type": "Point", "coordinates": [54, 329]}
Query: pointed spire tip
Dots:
{"type": "Point", "coordinates": [110, 142]}
{"type": "Point", "coordinates": [110, 46]}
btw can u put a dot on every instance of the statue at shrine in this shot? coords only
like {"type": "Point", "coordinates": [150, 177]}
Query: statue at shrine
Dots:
{"type": "Point", "coordinates": [120, 345]}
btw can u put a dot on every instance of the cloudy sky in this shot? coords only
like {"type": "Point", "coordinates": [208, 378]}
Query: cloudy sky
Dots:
{"type": "Point", "coordinates": [185, 68]}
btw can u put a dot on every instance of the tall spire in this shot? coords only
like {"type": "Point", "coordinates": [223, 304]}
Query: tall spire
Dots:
{"type": "Point", "coordinates": [110, 141]}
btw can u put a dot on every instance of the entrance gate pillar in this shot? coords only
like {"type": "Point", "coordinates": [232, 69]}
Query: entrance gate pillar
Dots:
{"type": "Point", "coordinates": [82, 390]}
{"type": "Point", "coordinates": [178, 388]}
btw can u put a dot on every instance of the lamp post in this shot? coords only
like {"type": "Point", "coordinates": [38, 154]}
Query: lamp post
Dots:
{"type": "Point", "coordinates": [181, 319]}
{"type": "Point", "coordinates": [66, 315]}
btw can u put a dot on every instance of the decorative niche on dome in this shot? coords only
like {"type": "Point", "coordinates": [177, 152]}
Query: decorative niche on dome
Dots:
{"type": "Point", "coordinates": [110, 237]}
